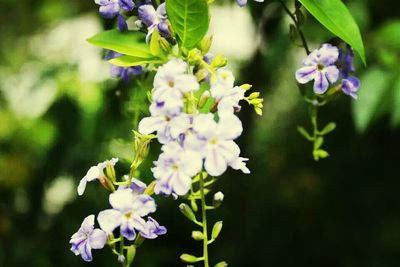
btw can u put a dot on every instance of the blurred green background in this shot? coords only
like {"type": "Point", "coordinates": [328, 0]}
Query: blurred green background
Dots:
{"type": "Point", "coordinates": [61, 112]}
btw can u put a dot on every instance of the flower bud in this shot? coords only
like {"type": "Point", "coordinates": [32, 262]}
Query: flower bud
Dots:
{"type": "Point", "coordinates": [197, 235]}
{"type": "Point", "coordinates": [205, 44]}
{"type": "Point", "coordinates": [221, 264]}
{"type": "Point", "coordinates": [201, 74]}
{"type": "Point", "coordinates": [254, 95]}
{"type": "Point", "coordinates": [203, 99]}
{"type": "Point", "coordinates": [216, 229]}
{"type": "Point", "coordinates": [218, 199]}
{"type": "Point", "coordinates": [187, 211]}
{"type": "Point", "coordinates": [194, 56]}
{"type": "Point", "coordinates": [189, 258]}
{"type": "Point", "coordinates": [246, 86]}
{"type": "Point", "coordinates": [165, 45]}
{"type": "Point", "coordinates": [219, 61]}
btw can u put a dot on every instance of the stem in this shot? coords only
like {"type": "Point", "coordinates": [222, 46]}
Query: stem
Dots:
{"type": "Point", "coordinates": [204, 222]}
{"type": "Point", "coordinates": [299, 31]}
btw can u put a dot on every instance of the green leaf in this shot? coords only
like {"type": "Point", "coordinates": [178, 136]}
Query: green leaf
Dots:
{"type": "Point", "coordinates": [130, 43]}
{"type": "Point", "coordinates": [128, 61]}
{"type": "Point", "coordinates": [396, 104]}
{"type": "Point", "coordinates": [374, 85]}
{"type": "Point", "coordinates": [189, 20]}
{"type": "Point", "coordinates": [335, 16]}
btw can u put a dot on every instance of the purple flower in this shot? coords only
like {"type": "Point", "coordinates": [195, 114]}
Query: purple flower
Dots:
{"type": "Point", "coordinates": [121, 72]}
{"type": "Point", "coordinates": [319, 66]}
{"type": "Point", "coordinates": [242, 3]}
{"type": "Point", "coordinates": [153, 229]}
{"type": "Point", "coordinates": [111, 8]}
{"type": "Point", "coordinates": [128, 210]}
{"type": "Point", "coordinates": [350, 84]}
{"type": "Point", "coordinates": [154, 19]}
{"type": "Point", "coordinates": [87, 238]}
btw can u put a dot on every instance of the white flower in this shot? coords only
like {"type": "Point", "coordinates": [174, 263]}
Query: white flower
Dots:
{"type": "Point", "coordinates": [174, 169]}
{"type": "Point", "coordinates": [219, 149]}
{"type": "Point", "coordinates": [94, 173]}
{"type": "Point", "coordinates": [128, 210]}
{"type": "Point", "coordinates": [172, 76]}
{"type": "Point", "coordinates": [225, 93]}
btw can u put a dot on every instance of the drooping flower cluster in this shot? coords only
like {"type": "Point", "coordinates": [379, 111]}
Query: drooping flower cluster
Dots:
{"type": "Point", "coordinates": [325, 65]}
{"type": "Point", "coordinates": [192, 140]}
{"type": "Point", "coordinates": [130, 210]}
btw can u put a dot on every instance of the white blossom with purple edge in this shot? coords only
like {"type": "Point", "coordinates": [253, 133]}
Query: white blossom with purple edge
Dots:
{"type": "Point", "coordinates": [94, 173]}
{"type": "Point", "coordinates": [154, 19]}
{"type": "Point", "coordinates": [174, 169]}
{"type": "Point", "coordinates": [87, 238]}
{"type": "Point", "coordinates": [220, 151]}
{"type": "Point", "coordinates": [128, 210]}
{"type": "Point", "coordinates": [319, 66]}
{"type": "Point", "coordinates": [225, 93]}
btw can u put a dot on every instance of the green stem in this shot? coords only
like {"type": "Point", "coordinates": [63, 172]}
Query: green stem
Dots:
{"type": "Point", "coordinates": [299, 31]}
{"type": "Point", "coordinates": [204, 222]}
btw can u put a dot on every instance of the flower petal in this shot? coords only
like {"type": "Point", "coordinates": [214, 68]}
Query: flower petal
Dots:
{"type": "Point", "coordinates": [151, 124]}
{"type": "Point", "coordinates": [321, 83]}
{"type": "Point", "coordinates": [97, 239]}
{"type": "Point", "coordinates": [331, 73]}
{"type": "Point", "coordinates": [306, 74]}
{"type": "Point", "coordinates": [122, 200]}
{"type": "Point", "coordinates": [147, 14]}
{"type": "Point", "coordinates": [109, 220]}
{"type": "Point", "coordinates": [215, 164]}
{"type": "Point", "coordinates": [82, 186]}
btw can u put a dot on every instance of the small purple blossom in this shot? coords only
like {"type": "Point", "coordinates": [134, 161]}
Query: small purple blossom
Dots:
{"type": "Point", "coordinates": [350, 84]}
{"type": "Point", "coordinates": [320, 66]}
{"type": "Point", "coordinates": [121, 72]}
{"type": "Point", "coordinates": [110, 8]}
{"type": "Point", "coordinates": [242, 3]}
{"type": "Point", "coordinates": [154, 19]}
{"type": "Point", "coordinates": [154, 229]}
{"type": "Point", "coordinates": [87, 238]}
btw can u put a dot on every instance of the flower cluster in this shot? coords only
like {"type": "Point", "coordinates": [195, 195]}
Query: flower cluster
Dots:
{"type": "Point", "coordinates": [130, 209]}
{"type": "Point", "coordinates": [192, 140]}
{"type": "Point", "coordinates": [325, 66]}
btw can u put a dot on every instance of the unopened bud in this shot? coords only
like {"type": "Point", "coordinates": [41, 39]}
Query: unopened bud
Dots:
{"type": "Point", "coordinates": [254, 95]}
{"type": "Point", "coordinates": [197, 235]}
{"type": "Point", "coordinates": [205, 44]}
{"type": "Point", "coordinates": [219, 61]}
{"type": "Point", "coordinates": [218, 199]}
{"type": "Point", "coordinates": [201, 74]}
{"type": "Point", "coordinates": [165, 45]}
{"type": "Point", "coordinates": [246, 86]}
{"type": "Point", "coordinates": [194, 56]}
{"type": "Point", "coordinates": [203, 99]}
